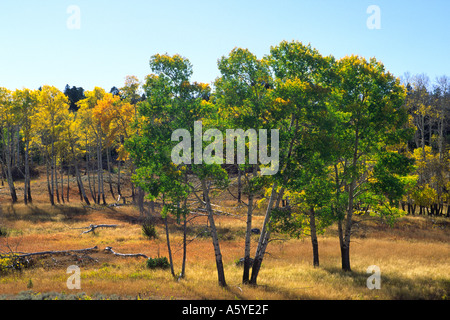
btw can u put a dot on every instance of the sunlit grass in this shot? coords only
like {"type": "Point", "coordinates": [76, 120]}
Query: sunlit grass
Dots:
{"type": "Point", "coordinates": [414, 262]}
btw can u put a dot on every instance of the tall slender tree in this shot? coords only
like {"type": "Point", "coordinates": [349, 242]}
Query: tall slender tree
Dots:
{"type": "Point", "coordinates": [370, 114]}
{"type": "Point", "coordinates": [26, 102]}
{"type": "Point", "coordinates": [8, 129]}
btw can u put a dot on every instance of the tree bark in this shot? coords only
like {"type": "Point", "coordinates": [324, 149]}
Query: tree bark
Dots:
{"type": "Point", "coordinates": [265, 236]}
{"type": "Point", "coordinates": [345, 250]}
{"type": "Point", "coordinates": [215, 239]}
{"type": "Point", "coordinates": [49, 186]}
{"type": "Point", "coordinates": [345, 246]}
{"type": "Point", "coordinates": [108, 161]}
{"type": "Point", "coordinates": [88, 171]}
{"type": "Point", "coordinates": [247, 261]}
{"type": "Point", "coordinates": [62, 181]}
{"type": "Point", "coordinates": [315, 243]}
{"type": "Point", "coordinates": [239, 196]}
{"type": "Point", "coordinates": [68, 183]}
{"type": "Point", "coordinates": [141, 195]}
{"type": "Point", "coordinates": [248, 233]}
{"type": "Point", "coordinates": [168, 247]}
{"type": "Point", "coordinates": [118, 180]}
{"type": "Point", "coordinates": [54, 178]}
{"type": "Point", "coordinates": [78, 177]}
{"type": "Point", "coordinates": [183, 265]}
{"type": "Point", "coordinates": [26, 188]}
{"type": "Point", "coordinates": [101, 189]}
{"type": "Point", "coordinates": [8, 159]}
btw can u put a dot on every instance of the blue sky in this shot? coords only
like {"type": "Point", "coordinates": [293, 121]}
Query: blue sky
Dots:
{"type": "Point", "coordinates": [117, 38]}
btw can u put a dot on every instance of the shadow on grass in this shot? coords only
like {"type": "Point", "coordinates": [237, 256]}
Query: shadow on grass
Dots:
{"type": "Point", "coordinates": [249, 292]}
{"type": "Point", "coordinates": [395, 286]}
{"type": "Point", "coordinates": [44, 213]}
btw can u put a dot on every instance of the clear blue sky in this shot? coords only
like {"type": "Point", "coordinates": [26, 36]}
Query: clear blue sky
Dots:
{"type": "Point", "coordinates": [117, 38]}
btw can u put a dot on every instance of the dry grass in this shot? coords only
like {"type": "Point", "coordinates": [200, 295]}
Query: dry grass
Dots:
{"type": "Point", "coordinates": [413, 258]}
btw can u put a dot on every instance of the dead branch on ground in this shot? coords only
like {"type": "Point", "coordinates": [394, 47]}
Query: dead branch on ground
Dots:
{"type": "Point", "coordinates": [126, 255]}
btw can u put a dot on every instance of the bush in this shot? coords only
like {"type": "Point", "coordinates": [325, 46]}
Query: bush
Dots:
{"type": "Point", "coordinates": [3, 232]}
{"type": "Point", "coordinates": [158, 263]}
{"type": "Point", "coordinates": [10, 262]}
{"type": "Point", "coordinates": [149, 230]}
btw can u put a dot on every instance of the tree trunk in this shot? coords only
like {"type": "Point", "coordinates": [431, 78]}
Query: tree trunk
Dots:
{"type": "Point", "coordinates": [49, 186]}
{"type": "Point", "coordinates": [345, 246]}
{"type": "Point", "coordinates": [183, 265]}
{"type": "Point", "coordinates": [345, 256]}
{"type": "Point", "coordinates": [345, 252]}
{"type": "Point", "coordinates": [108, 161]}
{"type": "Point", "coordinates": [264, 237]}
{"type": "Point", "coordinates": [141, 195]}
{"type": "Point", "coordinates": [247, 263]}
{"type": "Point", "coordinates": [26, 187]}
{"type": "Point", "coordinates": [133, 194]}
{"type": "Point", "coordinates": [101, 190]}
{"type": "Point", "coordinates": [62, 181]}
{"type": "Point", "coordinates": [248, 233]}
{"type": "Point", "coordinates": [2, 173]}
{"type": "Point", "coordinates": [79, 189]}
{"type": "Point", "coordinates": [88, 171]}
{"type": "Point", "coordinates": [68, 184]}
{"type": "Point", "coordinates": [80, 183]}
{"type": "Point", "coordinates": [8, 160]}
{"type": "Point", "coordinates": [10, 180]}
{"type": "Point", "coordinates": [118, 181]}
{"type": "Point", "coordinates": [315, 244]}
{"type": "Point", "coordinates": [55, 185]}
{"type": "Point", "coordinates": [239, 196]}
{"type": "Point", "coordinates": [168, 247]}
{"type": "Point", "coordinates": [215, 239]}
{"type": "Point", "coordinates": [78, 177]}
{"type": "Point", "coordinates": [98, 176]}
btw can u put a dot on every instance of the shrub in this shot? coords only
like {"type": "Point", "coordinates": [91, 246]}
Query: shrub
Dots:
{"type": "Point", "coordinates": [3, 232]}
{"type": "Point", "coordinates": [158, 263]}
{"type": "Point", "coordinates": [11, 262]}
{"type": "Point", "coordinates": [149, 230]}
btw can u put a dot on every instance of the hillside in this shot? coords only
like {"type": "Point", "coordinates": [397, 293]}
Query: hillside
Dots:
{"type": "Point", "coordinates": [413, 256]}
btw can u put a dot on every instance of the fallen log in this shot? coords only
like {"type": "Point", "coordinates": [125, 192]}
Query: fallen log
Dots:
{"type": "Point", "coordinates": [126, 255]}
{"type": "Point", "coordinates": [25, 255]}
{"type": "Point", "coordinates": [92, 227]}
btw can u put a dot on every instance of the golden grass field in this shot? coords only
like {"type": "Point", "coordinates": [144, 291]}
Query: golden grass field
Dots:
{"type": "Point", "coordinates": [414, 257]}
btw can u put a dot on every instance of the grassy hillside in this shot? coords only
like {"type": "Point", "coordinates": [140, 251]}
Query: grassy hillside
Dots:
{"type": "Point", "coordinates": [413, 256]}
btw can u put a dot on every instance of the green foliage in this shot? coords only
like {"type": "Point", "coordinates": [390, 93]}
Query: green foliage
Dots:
{"type": "Point", "coordinates": [3, 231]}
{"type": "Point", "coordinates": [11, 262]}
{"type": "Point", "coordinates": [172, 103]}
{"type": "Point", "coordinates": [387, 174]}
{"type": "Point", "coordinates": [158, 263]}
{"type": "Point", "coordinates": [149, 230]}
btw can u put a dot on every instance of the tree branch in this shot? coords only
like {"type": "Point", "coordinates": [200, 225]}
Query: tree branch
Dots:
{"type": "Point", "coordinates": [92, 227]}
{"type": "Point", "coordinates": [126, 255]}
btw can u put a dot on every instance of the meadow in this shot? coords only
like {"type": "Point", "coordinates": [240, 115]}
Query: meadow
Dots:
{"type": "Point", "coordinates": [413, 257]}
